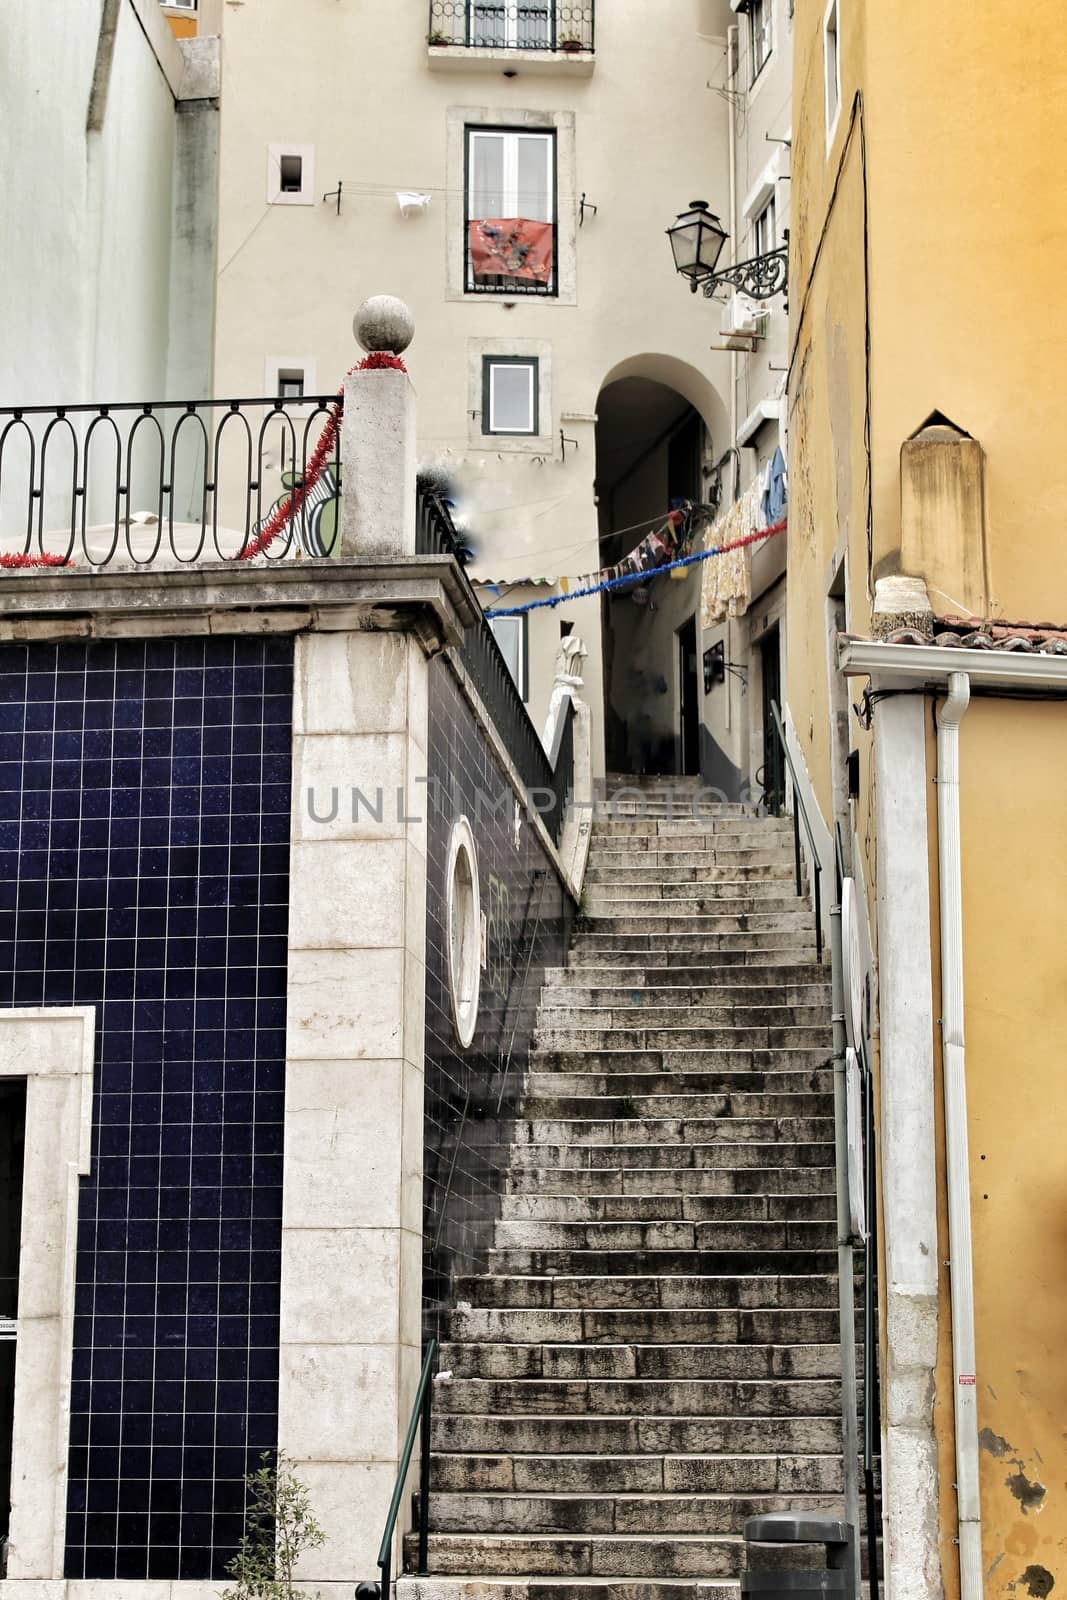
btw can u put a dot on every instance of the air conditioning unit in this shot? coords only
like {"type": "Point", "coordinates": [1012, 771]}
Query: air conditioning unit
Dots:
{"type": "Point", "coordinates": [742, 317]}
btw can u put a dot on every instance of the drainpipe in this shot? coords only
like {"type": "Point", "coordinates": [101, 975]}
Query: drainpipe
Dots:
{"type": "Point", "coordinates": [846, 1283]}
{"type": "Point", "coordinates": [961, 1271]}
{"type": "Point", "coordinates": [732, 56]}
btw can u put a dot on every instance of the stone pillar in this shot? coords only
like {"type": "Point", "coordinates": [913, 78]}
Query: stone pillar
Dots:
{"type": "Point", "coordinates": [352, 1209]}
{"type": "Point", "coordinates": [378, 442]}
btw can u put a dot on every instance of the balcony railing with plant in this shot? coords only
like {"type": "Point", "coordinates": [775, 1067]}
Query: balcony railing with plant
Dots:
{"type": "Point", "coordinates": [568, 28]}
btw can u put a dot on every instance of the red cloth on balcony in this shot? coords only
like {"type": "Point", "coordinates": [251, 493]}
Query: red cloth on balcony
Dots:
{"type": "Point", "coordinates": [511, 247]}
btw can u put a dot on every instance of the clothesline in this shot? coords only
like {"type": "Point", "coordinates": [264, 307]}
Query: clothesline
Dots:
{"type": "Point", "coordinates": [638, 577]}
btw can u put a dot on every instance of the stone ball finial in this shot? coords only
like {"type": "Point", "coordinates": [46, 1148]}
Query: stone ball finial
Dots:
{"type": "Point", "coordinates": [384, 323]}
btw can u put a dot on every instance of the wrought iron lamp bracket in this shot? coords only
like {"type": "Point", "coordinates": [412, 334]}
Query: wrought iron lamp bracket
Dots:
{"type": "Point", "coordinates": [760, 277]}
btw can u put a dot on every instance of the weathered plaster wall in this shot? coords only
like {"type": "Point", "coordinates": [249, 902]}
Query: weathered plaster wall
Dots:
{"type": "Point", "coordinates": [1015, 930]}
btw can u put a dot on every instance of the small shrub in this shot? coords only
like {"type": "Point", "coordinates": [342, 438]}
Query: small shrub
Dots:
{"type": "Point", "coordinates": [279, 1528]}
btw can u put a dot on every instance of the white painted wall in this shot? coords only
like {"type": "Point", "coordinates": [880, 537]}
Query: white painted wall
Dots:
{"type": "Point", "coordinates": [90, 243]}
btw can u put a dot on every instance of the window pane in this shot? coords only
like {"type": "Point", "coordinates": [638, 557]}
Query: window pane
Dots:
{"type": "Point", "coordinates": [534, 28]}
{"type": "Point", "coordinates": [486, 197]}
{"type": "Point", "coordinates": [511, 398]}
{"type": "Point", "coordinates": [508, 631]}
{"type": "Point", "coordinates": [488, 25]}
{"type": "Point", "coordinates": [534, 180]}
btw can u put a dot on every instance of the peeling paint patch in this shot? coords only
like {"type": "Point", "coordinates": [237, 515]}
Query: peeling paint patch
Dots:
{"type": "Point", "coordinates": [994, 1443]}
{"type": "Point", "coordinates": [1038, 1581]}
{"type": "Point", "coordinates": [1029, 1495]}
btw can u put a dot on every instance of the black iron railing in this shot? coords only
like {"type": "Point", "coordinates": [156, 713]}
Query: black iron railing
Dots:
{"type": "Point", "coordinates": [548, 782]}
{"type": "Point", "coordinates": [172, 481]}
{"type": "Point", "coordinates": [568, 27]}
{"type": "Point", "coordinates": [800, 812]}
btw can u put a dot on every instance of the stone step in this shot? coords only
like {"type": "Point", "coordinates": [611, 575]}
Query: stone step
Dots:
{"type": "Point", "coordinates": [682, 1060]}
{"type": "Point", "coordinates": [679, 918]}
{"type": "Point", "coordinates": [681, 851]}
{"type": "Point", "coordinates": [620, 1556]}
{"type": "Point", "coordinates": [656, 1003]}
{"type": "Point", "coordinates": [669, 1264]}
{"type": "Point", "coordinates": [651, 1474]}
{"type": "Point", "coordinates": [765, 1155]}
{"type": "Point", "coordinates": [633, 1130]}
{"type": "Point", "coordinates": [786, 992]}
{"type": "Point", "coordinates": [697, 902]}
{"type": "Point", "coordinates": [669, 1207]}
{"type": "Point", "coordinates": [606, 1512]}
{"type": "Point", "coordinates": [659, 885]}
{"type": "Point", "coordinates": [755, 1291]}
{"type": "Point", "coordinates": [553, 1588]}
{"type": "Point", "coordinates": [734, 1234]}
{"type": "Point", "coordinates": [723, 1180]}
{"type": "Point", "coordinates": [573, 1107]}
{"type": "Point", "coordinates": [614, 1397]}
{"type": "Point", "coordinates": [677, 1326]}
{"type": "Point", "coordinates": [478, 1360]}
{"type": "Point", "coordinates": [652, 1085]}
{"type": "Point", "coordinates": [659, 975]}
{"type": "Point", "coordinates": [736, 876]}
{"type": "Point", "coordinates": [630, 949]}
{"type": "Point", "coordinates": [589, 1435]}
{"type": "Point", "coordinates": [636, 1036]}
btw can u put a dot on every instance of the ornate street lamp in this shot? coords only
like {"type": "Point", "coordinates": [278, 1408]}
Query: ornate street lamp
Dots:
{"type": "Point", "coordinates": [697, 239]}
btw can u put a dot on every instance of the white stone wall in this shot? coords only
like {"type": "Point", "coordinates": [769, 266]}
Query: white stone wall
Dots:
{"type": "Point", "coordinates": [103, 277]}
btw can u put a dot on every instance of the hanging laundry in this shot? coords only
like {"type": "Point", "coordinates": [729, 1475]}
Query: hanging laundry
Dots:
{"type": "Point", "coordinates": [726, 589]}
{"type": "Point", "coordinates": [775, 492]}
{"type": "Point", "coordinates": [511, 247]}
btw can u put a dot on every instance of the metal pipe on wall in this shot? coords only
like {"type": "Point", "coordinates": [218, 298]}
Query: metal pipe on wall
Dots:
{"type": "Point", "coordinates": [961, 1269]}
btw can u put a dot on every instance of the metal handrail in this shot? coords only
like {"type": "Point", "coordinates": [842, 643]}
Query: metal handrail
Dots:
{"type": "Point", "coordinates": [800, 810]}
{"type": "Point", "coordinates": [871, 1396]}
{"type": "Point", "coordinates": [421, 1417]}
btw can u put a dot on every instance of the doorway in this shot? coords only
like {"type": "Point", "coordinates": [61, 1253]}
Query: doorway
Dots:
{"type": "Point", "coordinates": [773, 780]}
{"type": "Point", "coordinates": [12, 1151]}
{"type": "Point", "coordinates": [688, 700]}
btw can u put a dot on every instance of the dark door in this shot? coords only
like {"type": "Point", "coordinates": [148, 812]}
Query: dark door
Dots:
{"type": "Point", "coordinates": [689, 710]}
{"type": "Point", "coordinates": [773, 778]}
{"type": "Point", "coordinates": [12, 1142]}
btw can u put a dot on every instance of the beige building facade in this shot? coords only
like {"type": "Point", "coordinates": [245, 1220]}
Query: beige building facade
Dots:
{"type": "Point", "coordinates": [567, 411]}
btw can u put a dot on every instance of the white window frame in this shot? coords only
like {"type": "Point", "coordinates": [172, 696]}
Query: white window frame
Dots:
{"type": "Point", "coordinates": [490, 365]}
{"type": "Point", "coordinates": [510, 198]}
{"type": "Point", "coordinates": [179, 5]}
{"type": "Point", "coordinates": [463, 930]}
{"type": "Point", "coordinates": [517, 627]}
{"type": "Point", "coordinates": [305, 195]}
{"type": "Point", "coordinates": [763, 32]}
{"type": "Point", "coordinates": [274, 366]}
{"type": "Point", "coordinates": [831, 56]}
{"type": "Point", "coordinates": [765, 227]}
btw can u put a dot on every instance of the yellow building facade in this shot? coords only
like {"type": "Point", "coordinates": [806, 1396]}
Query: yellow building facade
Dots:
{"type": "Point", "coordinates": [927, 352]}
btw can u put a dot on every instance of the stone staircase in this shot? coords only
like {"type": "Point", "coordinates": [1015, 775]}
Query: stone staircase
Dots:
{"type": "Point", "coordinates": [652, 1355]}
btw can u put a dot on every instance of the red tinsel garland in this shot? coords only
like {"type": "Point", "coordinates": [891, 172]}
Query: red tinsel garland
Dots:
{"type": "Point", "coordinates": [284, 512]}
{"type": "Point", "coordinates": [380, 361]}
{"type": "Point", "coordinates": [21, 559]}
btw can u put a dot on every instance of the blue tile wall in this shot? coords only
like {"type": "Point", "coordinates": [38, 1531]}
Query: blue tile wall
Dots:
{"type": "Point", "coordinates": [144, 857]}
{"type": "Point", "coordinates": [473, 1095]}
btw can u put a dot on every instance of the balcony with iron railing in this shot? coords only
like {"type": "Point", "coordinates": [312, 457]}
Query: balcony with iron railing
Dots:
{"type": "Point", "coordinates": [558, 35]}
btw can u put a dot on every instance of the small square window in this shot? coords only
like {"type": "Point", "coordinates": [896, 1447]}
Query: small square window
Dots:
{"type": "Point", "coordinates": [290, 382]}
{"type": "Point", "coordinates": [510, 635]}
{"type": "Point", "coordinates": [510, 398]}
{"type": "Point", "coordinates": [290, 174]}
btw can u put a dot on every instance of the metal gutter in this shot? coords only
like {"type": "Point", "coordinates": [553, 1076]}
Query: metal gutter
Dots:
{"type": "Point", "coordinates": [915, 666]}
{"type": "Point", "coordinates": [961, 1269]}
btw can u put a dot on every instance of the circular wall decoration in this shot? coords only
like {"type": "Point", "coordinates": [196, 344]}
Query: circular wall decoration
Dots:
{"type": "Point", "coordinates": [463, 922]}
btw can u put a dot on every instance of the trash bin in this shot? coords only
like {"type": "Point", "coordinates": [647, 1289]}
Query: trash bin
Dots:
{"type": "Point", "coordinates": [834, 1577]}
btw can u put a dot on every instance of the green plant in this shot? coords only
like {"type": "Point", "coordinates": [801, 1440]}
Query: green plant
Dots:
{"type": "Point", "coordinates": [438, 38]}
{"type": "Point", "coordinates": [279, 1528]}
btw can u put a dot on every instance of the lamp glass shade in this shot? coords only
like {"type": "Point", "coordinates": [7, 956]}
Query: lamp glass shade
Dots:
{"type": "Point", "coordinates": [697, 239]}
